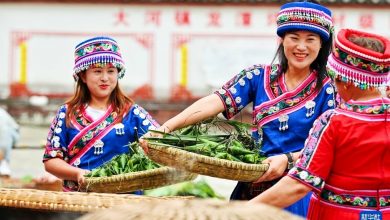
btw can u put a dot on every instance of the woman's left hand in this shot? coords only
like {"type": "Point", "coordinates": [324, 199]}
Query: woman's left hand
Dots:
{"type": "Point", "coordinates": [277, 166]}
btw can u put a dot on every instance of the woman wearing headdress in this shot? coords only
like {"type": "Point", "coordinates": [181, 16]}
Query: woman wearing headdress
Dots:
{"type": "Point", "coordinates": [287, 97]}
{"type": "Point", "coordinates": [99, 121]}
{"type": "Point", "coordinates": [346, 159]}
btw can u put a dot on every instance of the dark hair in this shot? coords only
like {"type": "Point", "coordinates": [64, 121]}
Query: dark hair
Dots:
{"type": "Point", "coordinates": [318, 64]}
{"type": "Point", "coordinates": [368, 43]}
{"type": "Point", "coordinates": [121, 103]}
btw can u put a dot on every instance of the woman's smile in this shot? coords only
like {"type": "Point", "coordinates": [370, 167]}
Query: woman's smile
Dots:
{"type": "Point", "coordinates": [300, 56]}
{"type": "Point", "coordinates": [104, 86]}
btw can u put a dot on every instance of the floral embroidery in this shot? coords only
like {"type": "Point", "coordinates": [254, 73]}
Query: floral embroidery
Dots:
{"type": "Point", "coordinates": [143, 114]}
{"type": "Point", "coordinates": [275, 87]}
{"type": "Point", "coordinates": [53, 146]}
{"type": "Point", "coordinates": [329, 90]}
{"type": "Point", "coordinates": [287, 103]}
{"type": "Point", "coordinates": [360, 63]}
{"type": "Point", "coordinates": [96, 48]}
{"type": "Point", "coordinates": [384, 201]}
{"type": "Point", "coordinates": [304, 175]}
{"type": "Point", "coordinates": [367, 109]}
{"type": "Point", "coordinates": [308, 17]}
{"type": "Point", "coordinates": [91, 133]}
{"type": "Point", "coordinates": [230, 107]}
{"type": "Point", "coordinates": [315, 133]}
{"type": "Point", "coordinates": [228, 89]}
{"type": "Point", "coordinates": [354, 200]}
{"type": "Point", "coordinates": [55, 153]}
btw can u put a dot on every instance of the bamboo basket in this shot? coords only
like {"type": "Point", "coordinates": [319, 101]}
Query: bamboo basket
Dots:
{"type": "Point", "coordinates": [130, 182]}
{"type": "Point", "coordinates": [192, 210]}
{"type": "Point", "coordinates": [196, 163]}
{"type": "Point", "coordinates": [69, 201]}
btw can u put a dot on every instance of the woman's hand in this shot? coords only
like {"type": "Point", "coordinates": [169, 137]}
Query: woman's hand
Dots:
{"type": "Point", "coordinates": [81, 176]}
{"type": "Point", "coordinates": [277, 166]}
{"type": "Point", "coordinates": [144, 143]}
{"type": "Point", "coordinates": [47, 178]}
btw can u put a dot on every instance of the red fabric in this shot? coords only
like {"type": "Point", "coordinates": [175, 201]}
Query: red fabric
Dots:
{"type": "Point", "coordinates": [348, 149]}
{"type": "Point", "coordinates": [320, 210]}
{"type": "Point", "coordinates": [353, 154]}
{"type": "Point", "coordinates": [357, 50]}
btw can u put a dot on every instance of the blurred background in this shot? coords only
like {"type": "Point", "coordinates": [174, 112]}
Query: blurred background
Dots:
{"type": "Point", "coordinates": [175, 52]}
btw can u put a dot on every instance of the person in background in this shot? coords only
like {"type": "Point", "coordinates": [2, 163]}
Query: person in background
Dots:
{"type": "Point", "coordinates": [346, 159]}
{"type": "Point", "coordinates": [99, 121]}
{"type": "Point", "coordinates": [287, 97]}
{"type": "Point", "coordinates": [9, 136]}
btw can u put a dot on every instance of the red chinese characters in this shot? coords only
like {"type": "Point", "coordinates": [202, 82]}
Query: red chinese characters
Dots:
{"type": "Point", "coordinates": [182, 18]}
{"type": "Point", "coordinates": [153, 17]}
{"type": "Point", "coordinates": [245, 19]}
{"type": "Point", "coordinates": [366, 21]}
{"type": "Point", "coordinates": [214, 19]}
{"type": "Point", "coordinates": [121, 18]}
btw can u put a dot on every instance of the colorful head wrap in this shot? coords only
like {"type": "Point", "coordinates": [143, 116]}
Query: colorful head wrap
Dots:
{"type": "Point", "coordinates": [97, 51]}
{"type": "Point", "coordinates": [297, 16]}
{"type": "Point", "coordinates": [363, 67]}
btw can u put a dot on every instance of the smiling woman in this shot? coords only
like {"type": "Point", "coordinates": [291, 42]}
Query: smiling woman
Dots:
{"type": "Point", "coordinates": [345, 161]}
{"type": "Point", "coordinates": [99, 121]}
{"type": "Point", "coordinates": [101, 80]}
{"type": "Point", "coordinates": [301, 49]}
{"type": "Point", "coordinates": [287, 97]}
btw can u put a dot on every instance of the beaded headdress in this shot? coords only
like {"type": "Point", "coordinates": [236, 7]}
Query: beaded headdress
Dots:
{"type": "Point", "coordinates": [355, 64]}
{"type": "Point", "coordinates": [97, 51]}
{"type": "Point", "coordinates": [296, 16]}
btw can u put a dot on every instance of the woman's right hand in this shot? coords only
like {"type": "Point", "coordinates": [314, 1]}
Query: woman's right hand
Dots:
{"type": "Point", "coordinates": [276, 169]}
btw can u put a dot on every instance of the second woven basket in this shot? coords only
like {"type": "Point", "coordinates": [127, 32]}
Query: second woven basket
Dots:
{"type": "Point", "coordinates": [129, 182]}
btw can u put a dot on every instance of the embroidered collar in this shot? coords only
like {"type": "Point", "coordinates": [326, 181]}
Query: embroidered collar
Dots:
{"type": "Point", "coordinates": [371, 107]}
{"type": "Point", "coordinates": [83, 119]}
{"type": "Point", "coordinates": [278, 86]}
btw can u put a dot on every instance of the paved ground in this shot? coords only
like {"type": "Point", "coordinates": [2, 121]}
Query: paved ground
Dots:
{"type": "Point", "coordinates": [26, 159]}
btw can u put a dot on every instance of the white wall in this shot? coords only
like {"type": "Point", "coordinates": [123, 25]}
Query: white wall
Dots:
{"type": "Point", "coordinates": [151, 48]}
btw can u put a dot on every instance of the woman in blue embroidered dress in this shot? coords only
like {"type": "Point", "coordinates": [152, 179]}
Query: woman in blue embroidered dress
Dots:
{"type": "Point", "coordinates": [287, 97]}
{"type": "Point", "coordinates": [99, 121]}
{"type": "Point", "coordinates": [346, 158]}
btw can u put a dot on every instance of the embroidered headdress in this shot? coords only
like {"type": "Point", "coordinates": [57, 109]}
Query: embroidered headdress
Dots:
{"type": "Point", "coordinates": [363, 67]}
{"type": "Point", "coordinates": [296, 16]}
{"type": "Point", "coordinates": [97, 50]}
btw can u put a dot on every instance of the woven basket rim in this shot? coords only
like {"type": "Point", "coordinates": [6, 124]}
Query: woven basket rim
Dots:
{"type": "Point", "coordinates": [69, 201]}
{"type": "Point", "coordinates": [134, 181]}
{"type": "Point", "coordinates": [130, 176]}
{"type": "Point", "coordinates": [196, 163]}
{"type": "Point", "coordinates": [211, 160]}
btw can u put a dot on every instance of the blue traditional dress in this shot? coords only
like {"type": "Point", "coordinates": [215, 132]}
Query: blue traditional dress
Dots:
{"type": "Point", "coordinates": [90, 143]}
{"type": "Point", "coordinates": [283, 118]}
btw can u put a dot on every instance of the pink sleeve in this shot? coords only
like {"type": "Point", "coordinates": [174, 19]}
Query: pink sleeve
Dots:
{"type": "Point", "coordinates": [315, 162]}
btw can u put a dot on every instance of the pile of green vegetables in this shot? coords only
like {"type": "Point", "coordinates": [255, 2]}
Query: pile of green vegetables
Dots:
{"type": "Point", "coordinates": [133, 161]}
{"type": "Point", "coordinates": [223, 139]}
{"type": "Point", "coordinates": [199, 189]}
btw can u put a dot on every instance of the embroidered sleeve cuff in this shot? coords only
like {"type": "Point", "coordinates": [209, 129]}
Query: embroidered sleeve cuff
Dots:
{"type": "Point", "coordinates": [49, 154]}
{"type": "Point", "coordinates": [307, 178]}
{"type": "Point", "coordinates": [229, 103]}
